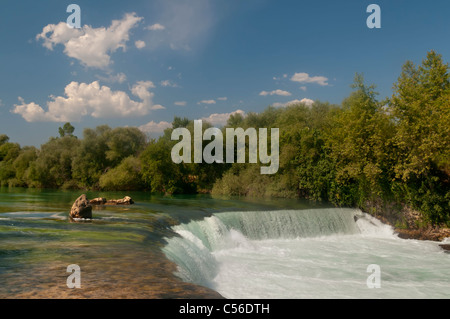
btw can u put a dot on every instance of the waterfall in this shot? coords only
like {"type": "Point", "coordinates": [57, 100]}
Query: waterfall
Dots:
{"type": "Point", "coordinates": [193, 247]}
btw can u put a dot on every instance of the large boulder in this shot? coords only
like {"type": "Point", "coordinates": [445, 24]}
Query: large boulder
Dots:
{"type": "Point", "coordinates": [81, 208]}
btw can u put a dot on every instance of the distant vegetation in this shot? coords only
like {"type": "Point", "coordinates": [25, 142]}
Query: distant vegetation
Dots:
{"type": "Point", "coordinates": [362, 152]}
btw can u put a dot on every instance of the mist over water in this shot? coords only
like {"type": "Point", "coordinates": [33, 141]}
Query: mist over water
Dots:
{"type": "Point", "coordinates": [312, 253]}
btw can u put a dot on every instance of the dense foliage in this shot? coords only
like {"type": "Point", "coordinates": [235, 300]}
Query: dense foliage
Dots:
{"type": "Point", "coordinates": [363, 151]}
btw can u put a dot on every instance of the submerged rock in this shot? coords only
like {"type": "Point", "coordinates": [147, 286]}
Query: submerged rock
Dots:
{"type": "Point", "coordinates": [81, 208]}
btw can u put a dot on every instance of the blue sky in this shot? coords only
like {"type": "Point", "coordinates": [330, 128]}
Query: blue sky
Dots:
{"type": "Point", "coordinates": [140, 62]}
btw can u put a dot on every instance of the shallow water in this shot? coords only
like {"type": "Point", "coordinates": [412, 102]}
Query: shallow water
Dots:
{"type": "Point", "coordinates": [196, 246]}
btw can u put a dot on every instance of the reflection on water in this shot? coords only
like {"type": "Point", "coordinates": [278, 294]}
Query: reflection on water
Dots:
{"type": "Point", "coordinates": [119, 251]}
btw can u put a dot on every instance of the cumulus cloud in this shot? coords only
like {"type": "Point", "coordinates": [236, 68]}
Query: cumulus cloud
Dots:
{"type": "Point", "coordinates": [222, 98]}
{"type": "Point", "coordinates": [276, 92]}
{"type": "Point", "coordinates": [180, 103]}
{"type": "Point", "coordinates": [220, 119]}
{"type": "Point", "coordinates": [155, 127]}
{"type": "Point", "coordinates": [305, 78]}
{"type": "Point", "coordinates": [155, 27]}
{"type": "Point", "coordinates": [91, 46]}
{"type": "Point", "coordinates": [307, 102]}
{"type": "Point", "coordinates": [140, 44]}
{"type": "Point", "coordinates": [207, 102]}
{"type": "Point", "coordinates": [83, 99]}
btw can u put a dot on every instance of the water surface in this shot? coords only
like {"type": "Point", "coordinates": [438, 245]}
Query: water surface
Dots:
{"type": "Point", "coordinates": [204, 247]}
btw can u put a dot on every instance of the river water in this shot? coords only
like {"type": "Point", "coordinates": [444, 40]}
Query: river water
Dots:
{"type": "Point", "coordinates": [205, 247]}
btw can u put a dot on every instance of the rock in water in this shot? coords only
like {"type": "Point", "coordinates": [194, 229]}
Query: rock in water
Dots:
{"type": "Point", "coordinates": [124, 201]}
{"type": "Point", "coordinates": [81, 208]}
{"type": "Point", "coordinates": [98, 201]}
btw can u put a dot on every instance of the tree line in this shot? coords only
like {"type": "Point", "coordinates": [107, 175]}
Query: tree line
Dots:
{"type": "Point", "coordinates": [364, 152]}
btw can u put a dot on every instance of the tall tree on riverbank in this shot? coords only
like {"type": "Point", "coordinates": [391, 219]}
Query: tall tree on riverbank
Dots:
{"type": "Point", "coordinates": [420, 107]}
{"type": "Point", "coordinates": [358, 140]}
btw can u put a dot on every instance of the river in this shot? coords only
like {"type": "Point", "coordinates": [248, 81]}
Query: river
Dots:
{"type": "Point", "coordinates": [208, 247]}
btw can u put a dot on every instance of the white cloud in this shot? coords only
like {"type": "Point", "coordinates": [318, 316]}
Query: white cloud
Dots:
{"type": "Point", "coordinates": [276, 92]}
{"type": "Point", "coordinates": [140, 44]}
{"type": "Point", "coordinates": [222, 98]}
{"type": "Point", "coordinates": [303, 88]}
{"type": "Point", "coordinates": [305, 78]}
{"type": "Point", "coordinates": [168, 83]}
{"type": "Point", "coordinates": [220, 119]}
{"type": "Point", "coordinates": [307, 102]}
{"type": "Point", "coordinates": [118, 78]}
{"type": "Point", "coordinates": [180, 103]}
{"type": "Point", "coordinates": [91, 46]}
{"type": "Point", "coordinates": [155, 27]}
{"type": "Point", "coordinates": [280, 78]}
{"type": "Point", "coordinates": [32, 112]}
{"type": "Point", "coordinates": [207, 102]}
{"type": "Point", "coordinates": [82, 99]}
{"type": "Point", "coordinates": [154, 127]}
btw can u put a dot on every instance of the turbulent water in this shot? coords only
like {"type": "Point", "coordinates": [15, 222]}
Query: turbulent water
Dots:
{"type": "Point", "coordinates": [199, 246]}
{"type": "Point", "coordinates": [312, 253]}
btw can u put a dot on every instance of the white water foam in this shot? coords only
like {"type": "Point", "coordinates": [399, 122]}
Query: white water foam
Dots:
{"type": "Point", "coordinates": [226, 253]}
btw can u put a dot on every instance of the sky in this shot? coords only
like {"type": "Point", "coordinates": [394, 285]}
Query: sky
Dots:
{"type": "Point", "coordinates": [142, 62]}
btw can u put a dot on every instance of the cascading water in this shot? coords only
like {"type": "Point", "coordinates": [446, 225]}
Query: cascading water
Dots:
{"type": "Point", "coordinates": [315, 253]}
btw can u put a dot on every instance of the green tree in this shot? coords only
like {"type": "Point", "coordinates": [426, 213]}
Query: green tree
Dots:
{"type": "Point", "coordinates": [66, 130]}
{"type": "Point", "coordinates": [127, 176]}
{"type": "Point", "coordinates": [22, 163]}
{"type": "Point", "coordinates": [160, 174]}
{"type": "Point", "coordinates": [420, 108]}
{"type": "Point", "coordinates": [53, 166]}
{"type": "Point", "coordinates": [123, 142]}
{"type": "Point", "coordinates": [357, 142]}
{"type": "Point", "coordinates": [4, 139]}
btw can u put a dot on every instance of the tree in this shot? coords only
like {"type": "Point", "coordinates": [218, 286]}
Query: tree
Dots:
{"type": "Point", "coordinates": [126, 176]}
{"type": "Point", "coordinates": [90, 162]}
{"type": "Point", "coordinates": [357, 142]}
{"type": "Point", "coordinates": [123, 142]}
{"type": "Point", "coordinates": [160, 174]}
{"type": "Point", "coordinates": [22, 163]}
{"type": "Point", "coordinates": [53, 166]}
{"type": "Point", "coordinates": [4, 139]}
{"type": "Point", "coordinates": [420, 108]}
{"type": "Point", "coordinates": [66, 130]}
